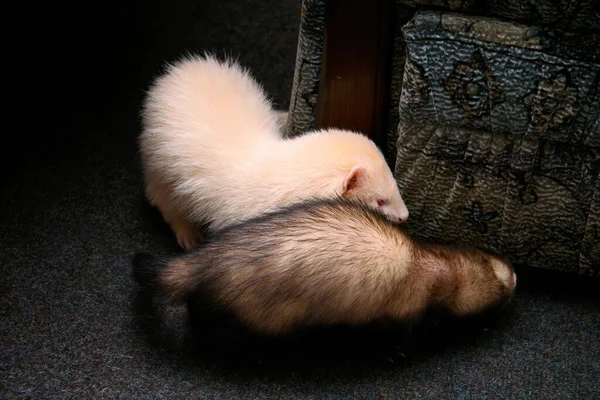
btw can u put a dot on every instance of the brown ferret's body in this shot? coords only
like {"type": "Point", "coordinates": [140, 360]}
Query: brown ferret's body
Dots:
{"type": "Point", "coordinates": [325, 262]}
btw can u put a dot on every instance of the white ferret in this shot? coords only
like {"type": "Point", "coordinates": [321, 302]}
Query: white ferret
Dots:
{"type": "Point", "coordinates": [326, 262]}
{"type": "Point", "coordinates": [212, 153]}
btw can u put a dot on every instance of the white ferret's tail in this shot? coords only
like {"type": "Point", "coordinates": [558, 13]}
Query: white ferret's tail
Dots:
{"type": "Point", "coordinates": [204, 105]}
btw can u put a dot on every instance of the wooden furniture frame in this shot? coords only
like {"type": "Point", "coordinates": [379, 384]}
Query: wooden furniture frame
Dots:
{"type": "Point", "coordinates": [355, 69]}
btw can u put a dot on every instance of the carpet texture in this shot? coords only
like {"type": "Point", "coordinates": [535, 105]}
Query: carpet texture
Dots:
{"type": "Point", "coordinates": [72, 214]}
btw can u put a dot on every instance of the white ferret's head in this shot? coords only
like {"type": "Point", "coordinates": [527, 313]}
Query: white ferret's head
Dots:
{"type": "Point", "coordinates": [372, 185]}
{"type": "Point", "coordinates": [367, 176]}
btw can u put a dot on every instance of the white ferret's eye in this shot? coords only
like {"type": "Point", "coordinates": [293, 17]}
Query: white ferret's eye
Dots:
{"type": "Point", "coordinates": [380, 202]}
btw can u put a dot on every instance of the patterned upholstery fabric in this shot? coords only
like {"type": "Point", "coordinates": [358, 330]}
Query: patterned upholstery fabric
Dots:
{"type": "Point", "coordinates": [495, 123]}
{"type": "Point", "coordinates": [499, 140]}
{"type": "Point", "coordinates": [575, 18]}
{"type": "Point", "coordinates": [307, 73]}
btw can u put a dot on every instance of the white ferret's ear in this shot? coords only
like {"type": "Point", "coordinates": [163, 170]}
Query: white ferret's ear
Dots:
{"type": "Point", "coordinates": [353, 179]}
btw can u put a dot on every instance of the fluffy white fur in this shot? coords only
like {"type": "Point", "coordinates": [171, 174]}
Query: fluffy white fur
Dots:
{"type": "Point", "coordinates": [212, 152]}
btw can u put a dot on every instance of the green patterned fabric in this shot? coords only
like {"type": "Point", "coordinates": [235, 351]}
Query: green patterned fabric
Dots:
{"type": "Point", "coordinates": [307, 73]}
{"type": "Point", "coordinates": [499, 140]}
{"type": "Point", "coordinates": [577, 22]}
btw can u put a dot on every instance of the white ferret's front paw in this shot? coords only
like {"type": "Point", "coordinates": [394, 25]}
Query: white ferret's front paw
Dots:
{"type": "Point", "coordinates": [187, 235]}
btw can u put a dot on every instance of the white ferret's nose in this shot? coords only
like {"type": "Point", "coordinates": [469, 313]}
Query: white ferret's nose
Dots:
{"type": "Point", "coordinates": [403, 215]}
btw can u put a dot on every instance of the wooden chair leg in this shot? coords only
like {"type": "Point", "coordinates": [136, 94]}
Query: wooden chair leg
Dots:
{"type": "Point", "coordinates": [354, 73]}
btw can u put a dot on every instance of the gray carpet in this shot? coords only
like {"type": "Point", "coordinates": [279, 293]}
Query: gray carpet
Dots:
{"type": "Point", "coordinates": [72, 214]}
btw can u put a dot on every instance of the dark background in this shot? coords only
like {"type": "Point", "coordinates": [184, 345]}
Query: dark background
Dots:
{"type": "Point", "coordinates": [72, 213]}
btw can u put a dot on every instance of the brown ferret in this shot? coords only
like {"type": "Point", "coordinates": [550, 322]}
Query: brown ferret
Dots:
{"type": "Point", "coordinates": [326, 262]}
{"type": "Point", "coordinates": [213, 153]}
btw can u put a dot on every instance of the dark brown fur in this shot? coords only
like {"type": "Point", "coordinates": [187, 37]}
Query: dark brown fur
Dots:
{"type": "Point", "coordinates": [327, 262]}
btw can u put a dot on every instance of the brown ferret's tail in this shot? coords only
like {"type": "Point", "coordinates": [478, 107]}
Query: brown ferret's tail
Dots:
{"type": "Point", "coordinates": [170, 279]}
{"type": "Point", "coordinates": [146, 269]}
